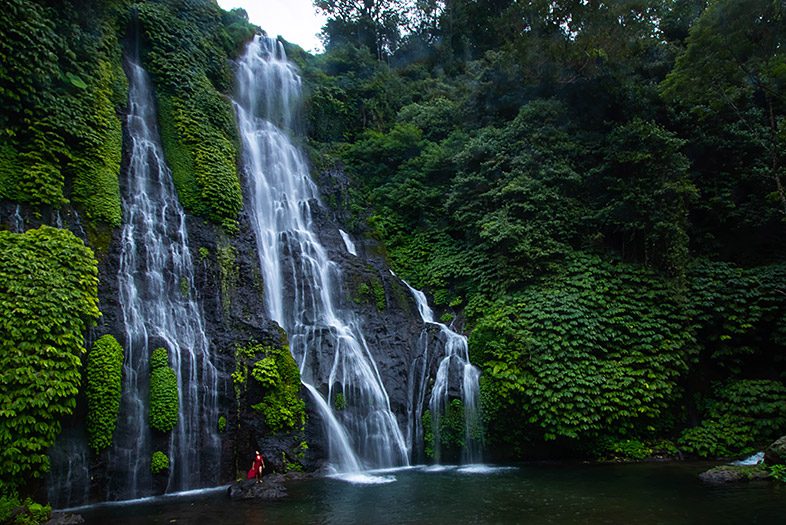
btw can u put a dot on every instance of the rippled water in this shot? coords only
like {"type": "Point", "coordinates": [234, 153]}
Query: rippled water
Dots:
{"type": "Point", "coordinates": [533, 494]}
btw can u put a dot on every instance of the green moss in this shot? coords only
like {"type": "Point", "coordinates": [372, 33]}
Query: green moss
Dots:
{"type": "Point", "coordinates": [164, 399]}
{"type": "Point", "coordinates": [278, 374]}
{"type": "Point", "coordinates": [452, 432]}
{"type": "Point", "coordinates": [104, 382]}
{"type": "Point", "coordinates": [378, 291]}
{"type": "Point", "coordinates": [226, 255]}
{"type": "Point", "coordinates": [99, 237]}
{"type": "Point", "coordinates": [371, 291]}
{"type": "Point", "coordinates": [48, 298]}
{"type": "Point", "coordinates": [222, 423]}
{"type": "Point", "coordinates": [204, 253]}
{"type": "Point", "coordinates": [185, 286]}
{"type": "Point", "coordinates": [159, 462]}
{"type": "Point", "coordinates": [339, 402]}
{"type": "Point", "coordinates": [196, 121]}
{"type": "Point", "coordinates": [96, 166]}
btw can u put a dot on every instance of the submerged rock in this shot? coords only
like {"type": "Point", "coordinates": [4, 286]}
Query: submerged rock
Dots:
{"type": "Point", "coordinates": [775, 454]}
{"type": "Point", "coordinates": [732, 474]}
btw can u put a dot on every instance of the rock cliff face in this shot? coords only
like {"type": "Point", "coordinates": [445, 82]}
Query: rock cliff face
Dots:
{"type": "Point", "coordinates": [230, 288]}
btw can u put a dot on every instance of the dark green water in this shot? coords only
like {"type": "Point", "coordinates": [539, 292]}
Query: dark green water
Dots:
{"type": "Point", "coordinates": [638, 494]}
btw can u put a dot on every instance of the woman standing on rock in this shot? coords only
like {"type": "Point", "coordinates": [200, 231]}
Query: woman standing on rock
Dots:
{"type": "Point", "coordinates": [257, 468]}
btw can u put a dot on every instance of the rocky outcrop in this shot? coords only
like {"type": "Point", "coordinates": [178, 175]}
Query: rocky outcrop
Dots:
{"type": "Point", "coordinates": [65, 518]}
{"type": "Point", "coordinates": [775, 454]}
{"type": "Point", "coordinates": [733, 474]}
{"type": "Point", "coordinates": [271, 487]}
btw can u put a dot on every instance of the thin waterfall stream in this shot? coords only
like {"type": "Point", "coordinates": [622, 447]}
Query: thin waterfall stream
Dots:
{"type": "Point", "coordinates": [160, 309]}
{"type": "Point", "coordinates": [454, 363]}
{"type": "Point", "coordinates": [302, 285]}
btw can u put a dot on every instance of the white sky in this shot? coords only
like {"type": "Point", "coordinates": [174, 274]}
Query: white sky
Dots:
{"type": "Point", "coordinates": [295, 20]}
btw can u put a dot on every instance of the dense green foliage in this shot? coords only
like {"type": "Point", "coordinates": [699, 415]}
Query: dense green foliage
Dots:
{"type": "Point", "coordinates": [61, 85]}
{"type": "Point", "coordinates": [275, 371]}
{"type": "Point", "coordinates": [14, 511]}
{"type": "Point", "coordinates": [600, 348]}
{"type": "Point", "coordinates": [48, 297]}
{"type": "Point", "coordinates": [443, 441]}
{"type": "Point", "coordinates": [159, 358]}
{"type": "Point", "coordinates": [104, 384]}
{"type": "Point", "coordinates": [164, 398]}
{"type": "Point", "coordinates": [187, 45]}
{"type": "Point", "coordinates": [596, 186]}
{"type": "Point", "coordinates": [737, 417]}
{"type": "Point", "coordinates": [159, 462]}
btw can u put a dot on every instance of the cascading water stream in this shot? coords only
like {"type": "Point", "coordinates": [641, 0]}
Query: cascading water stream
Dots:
{"type": "Point", "coordinates": [159, 308]}
{"type": "Point", "coordinates": [301, 283]}
{"type": "Point", "coordinates": [19, 222]}
{"type": "Point", "coordinates": [348, 243]}
{"type": "Point", "coordinates": [455, 361]}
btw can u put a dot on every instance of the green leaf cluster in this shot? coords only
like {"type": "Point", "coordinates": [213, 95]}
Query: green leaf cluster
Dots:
{"type": "Point", "coordinates": [186, 54]}
{"type": "Point", "coordinates": [275, 371]}
{"type": "Point", "coordinates": [371, 291]}
{"type": "Point", "coordinates": [739, 416]}
{"type": "Point", "coordinates": [48, 298]}
{"type": "Point", "coordinates": [14, 511]}
{"type": "Point", "coordinates": [164, 397]}
{"type": "Point", "coordinates": [62, 137]}
{"type": "Point", "coordinates": [103, 390]}
{"type": "Point", "coordinates": [451, 432]}
{"type": "Point", "coordinates": [600, 346]}
{"type": "Point", "coordinates": [159, 462]}
{"type": "Point", "coordinates": [159, 358]}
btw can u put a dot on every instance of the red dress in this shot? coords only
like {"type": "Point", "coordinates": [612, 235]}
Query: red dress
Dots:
{"type": "Point", "coordinates": [255, 469]}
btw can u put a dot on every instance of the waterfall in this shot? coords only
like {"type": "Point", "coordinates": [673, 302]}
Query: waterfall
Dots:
{"type": "Point", "coordinates": [19, 222]}
{"type": "Point", "coordinates": [302, 284]}
{"type": "Point", "coordinates": [159, 309]}
{"type": "Point", "coordinates": [454, 362]}
{"type": "Point", "coordinates": [348, 243]}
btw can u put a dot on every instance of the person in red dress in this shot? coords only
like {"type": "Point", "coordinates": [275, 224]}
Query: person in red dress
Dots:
{"type": "Point", "coordinates": [257, 467]}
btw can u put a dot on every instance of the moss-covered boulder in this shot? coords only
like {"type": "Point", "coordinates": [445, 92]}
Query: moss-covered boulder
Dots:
{"type": "Point", "coordinates": [775, 454]}
{"type": "Point", "coordinates": [733, 473]}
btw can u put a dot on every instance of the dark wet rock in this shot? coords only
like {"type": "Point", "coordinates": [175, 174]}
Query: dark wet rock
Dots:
{"type": "Point", "coordinates": [733, 474]}
{"type": "Point", "coordinates": [270, 488]}
{"type": "Point", "coordinates": [775, 454]}
{"type": "Point", "coordinates": [65, 518]}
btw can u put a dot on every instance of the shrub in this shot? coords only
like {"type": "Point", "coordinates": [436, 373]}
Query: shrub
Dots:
{"type": "Point", "coordinates": [104, 383]}
{"type": "Point", "coordinates": [163, 399]}
{"type": "Point", "coordinates": [159, 462]}
{"type": "Point", "coordinates": [48, 297]}
{"type": "Point", "coordinates": [739, 415]}
{"type": "Point", "coordinates": [14, 511]}
{"type": "Point", "coordinates": [159, 358]}
{"type": "Point", "coordinates": [222, 423]}
{"type": "Point", "coordinates": [720, 437]}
